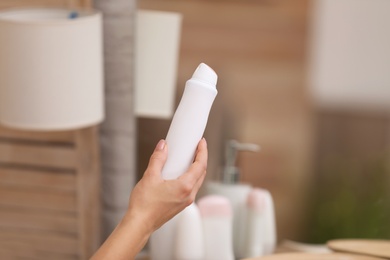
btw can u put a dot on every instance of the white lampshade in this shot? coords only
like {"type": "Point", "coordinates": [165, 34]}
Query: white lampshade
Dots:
{"type": "Point", "coordinates": [51, 70]}
{"type": "Point", "coordinates": [350, 54]}
{"type": "Point", "coordinates": [156, 60]}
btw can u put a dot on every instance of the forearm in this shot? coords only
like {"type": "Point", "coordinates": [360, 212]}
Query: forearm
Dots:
{"type": "Point", "coordinates": [128, 238]}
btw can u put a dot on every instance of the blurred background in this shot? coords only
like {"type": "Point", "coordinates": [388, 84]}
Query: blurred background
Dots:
{"type": "Point", "coordinates": [308, 81]}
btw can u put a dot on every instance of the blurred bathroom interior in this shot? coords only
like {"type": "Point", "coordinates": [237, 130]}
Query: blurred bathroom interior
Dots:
{"type": "Point", "coordinates": [308, 81]}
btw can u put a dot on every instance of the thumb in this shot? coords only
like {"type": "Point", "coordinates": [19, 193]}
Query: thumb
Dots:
{"type": "Point", "coordinates": [158, 158]}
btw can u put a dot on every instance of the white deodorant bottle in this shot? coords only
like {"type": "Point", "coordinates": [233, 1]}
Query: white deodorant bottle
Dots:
{"type": "Point", "coordinates": [189, 235]}
{"type": "Point", "coordinates": [186, 130]}
{"type": "Point", "coordinates": [189, 122]}
{"type": "Point", "coordinates": [217, 219]}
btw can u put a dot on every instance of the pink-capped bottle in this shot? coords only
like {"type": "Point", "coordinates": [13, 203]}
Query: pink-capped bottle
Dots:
{"type": "Point", "coordinates": [261, 227]}
{"type": "Point", "coordinates": [189, 240]}
{"type": "Point", "coordinates": [255, 224]}
{"type": "Point", "coordinates": [217, 219]}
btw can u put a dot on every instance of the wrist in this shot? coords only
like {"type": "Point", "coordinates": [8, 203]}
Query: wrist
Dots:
{"type": "Point", "coordinates": [127, 240]}
{"type": "Point", "coordinates": [135, 221]}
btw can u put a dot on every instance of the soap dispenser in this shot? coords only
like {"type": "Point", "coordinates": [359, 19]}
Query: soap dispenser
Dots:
{"type": "Point", "coordinates": [235, 192]}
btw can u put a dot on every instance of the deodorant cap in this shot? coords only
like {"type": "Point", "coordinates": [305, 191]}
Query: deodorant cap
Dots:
{"type": "Point", "coordinates": [205, 74]}
{"type": "Point", "coordinates": [215, 206]}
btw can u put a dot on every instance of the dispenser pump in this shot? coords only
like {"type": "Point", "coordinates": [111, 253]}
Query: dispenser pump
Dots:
{"type": "Point", "coordinates": [231, 173]}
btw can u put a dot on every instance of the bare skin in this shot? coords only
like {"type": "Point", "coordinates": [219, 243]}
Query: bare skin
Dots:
{"type": "Point", "coordinates": [153, 202]}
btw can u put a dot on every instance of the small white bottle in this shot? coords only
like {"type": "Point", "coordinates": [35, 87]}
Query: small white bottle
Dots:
{"type": "Point", "coordinates": [186, 130]}
{"type": "Point", "coordinates": [270, 224]}
{"type": "Point", "coordinates": [189, 241]}
{"type": "Point", "coordinates": [237, 195]}
{"type": "Point", "coordinates": [217, 219]}
{"type": "Point", "coordinates": [255, 229]}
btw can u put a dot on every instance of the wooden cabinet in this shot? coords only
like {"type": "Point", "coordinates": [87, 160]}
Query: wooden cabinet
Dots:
{"type": "Point", "coordinates": [49, 194]}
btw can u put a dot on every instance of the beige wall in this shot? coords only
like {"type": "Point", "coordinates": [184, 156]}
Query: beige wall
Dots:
{"type": "Point", "coordinates": [258, 50]}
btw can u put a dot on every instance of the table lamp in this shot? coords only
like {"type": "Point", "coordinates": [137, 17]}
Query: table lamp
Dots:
{"type": "Point", "coordinates": [51, 69]}
{"type": "Point", "coordinates": [51, 85]}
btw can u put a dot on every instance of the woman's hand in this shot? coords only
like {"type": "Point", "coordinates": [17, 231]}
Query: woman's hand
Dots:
{"type": "Point", "coordinates": [156, 200]}
{"type": "Point", "coordinates": [153, 202]}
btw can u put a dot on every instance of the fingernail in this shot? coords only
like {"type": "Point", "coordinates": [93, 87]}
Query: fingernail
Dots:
{"type": "Point", "coordinates": [204, 139]}
{"type": "Point", "coordinates": [160, 145]}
